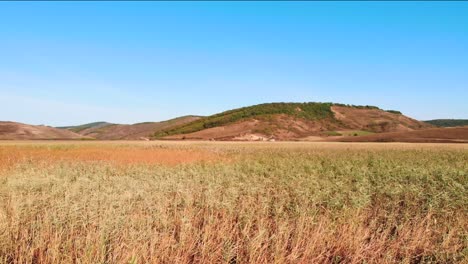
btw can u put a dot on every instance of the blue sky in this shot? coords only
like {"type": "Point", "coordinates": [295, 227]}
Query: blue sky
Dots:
{"type": "Point", "coordinates": [76, 62]}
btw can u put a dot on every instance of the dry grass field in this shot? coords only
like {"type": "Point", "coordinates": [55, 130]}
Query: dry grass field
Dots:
{"type": "Point", "coordinates": [211, 202]}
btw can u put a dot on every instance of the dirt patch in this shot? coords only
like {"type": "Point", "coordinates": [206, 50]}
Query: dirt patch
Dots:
{"type": "Point", "coordinates": [252, 137]}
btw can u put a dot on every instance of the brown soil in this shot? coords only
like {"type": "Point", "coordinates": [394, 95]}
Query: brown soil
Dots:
{"type": "Point", "coordinates": [13, 130]}
{"type": "Point", "coordinates": [435, 135]}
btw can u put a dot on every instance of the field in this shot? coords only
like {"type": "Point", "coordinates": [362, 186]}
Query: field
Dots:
{"type": "Point", "coordinates": [211, 202]}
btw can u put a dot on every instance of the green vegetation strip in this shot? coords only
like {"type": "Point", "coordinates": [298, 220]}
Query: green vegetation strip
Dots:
{"type": "Point", "coordinates": [448, 122]}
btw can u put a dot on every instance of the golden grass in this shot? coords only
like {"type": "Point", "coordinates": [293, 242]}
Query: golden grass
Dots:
{"type": "Point", "coordinates": [178, 202]}
{"type": "Point", "coordinates": [117, 154]}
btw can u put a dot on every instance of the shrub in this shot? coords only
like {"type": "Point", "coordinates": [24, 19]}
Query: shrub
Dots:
{"type": "Point", "coordinates": [394, 112]}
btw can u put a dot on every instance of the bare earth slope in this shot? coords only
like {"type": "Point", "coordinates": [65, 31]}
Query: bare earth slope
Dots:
{"type": "Point", "coordinates": [135, 131]}
{"type": "Point", "coordinates": [435, 135]}
{"type": "Point", "coordinates": [376, 120]}
{"type": "Point", "coordinates": [14, 130]}
{"type": "Point", "coordinates": [294, 124]}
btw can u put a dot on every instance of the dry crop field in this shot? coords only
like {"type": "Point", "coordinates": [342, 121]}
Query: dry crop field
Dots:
{"type": "Point", "coordinates": [211, 202]}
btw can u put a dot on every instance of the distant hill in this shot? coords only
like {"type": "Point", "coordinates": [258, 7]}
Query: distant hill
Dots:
{"type": "Point", "coordinates": [291, 121]}
{"type": "Point", "coordinates": [434, 135]}
{"type": "Point", "coordinates": [448, 122]}
{"type": "Point", "coordinates": [14, 130]}
{"type": "Point", "coordinates": [86, 126]}
{"type": "Point", "coordinates": [109, 131]}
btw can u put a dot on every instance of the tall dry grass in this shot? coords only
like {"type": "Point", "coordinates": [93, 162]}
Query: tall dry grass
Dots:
{"type": "Point", "coordinates": [266, 205]}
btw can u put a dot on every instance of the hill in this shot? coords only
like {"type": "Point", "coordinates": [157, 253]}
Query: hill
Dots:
{"type": "Point", "coordinates": [79, 128]}
{"type": "Point", "coordinates": [292, 121]}
{"type": "Point", "coordinates": [448, 122]}
{"type": "Point", "coordinates": [435, 135]}
{"type": "Point", "coordinates": [14, 130]}
{"type": "Point", "coordinates": [109, 131]}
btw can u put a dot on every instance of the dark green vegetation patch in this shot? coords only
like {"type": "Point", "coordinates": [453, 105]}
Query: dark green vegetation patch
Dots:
{"type": "Point", "coordinates": [394, 112]}
{"type": "Point", "coordinates": [448, 122]}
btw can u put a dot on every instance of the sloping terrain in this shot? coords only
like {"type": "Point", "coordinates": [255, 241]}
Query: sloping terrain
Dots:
{"type": "Point", "coordinates": [14, 130]}
{"type": "Point", "coordinates": [291, 121]}
{"type": "Point", "coordinates": [435, 135]}
{"type": "Point", "coordinates": [448, 122]}
{"type": "Point", "coordinates": [108, 131]}
{"type": "Point", "coordinates": [79, 128]}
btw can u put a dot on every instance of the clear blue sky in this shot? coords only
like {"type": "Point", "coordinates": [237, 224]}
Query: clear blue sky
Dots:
{"type": "Point", "coordinates": [76, 62]}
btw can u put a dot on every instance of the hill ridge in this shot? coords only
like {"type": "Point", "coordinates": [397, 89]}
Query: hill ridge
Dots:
{"type": "Point", "coordinates": [448, 122]}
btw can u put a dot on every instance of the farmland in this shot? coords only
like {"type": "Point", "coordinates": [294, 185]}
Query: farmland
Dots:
{"type": "Point", "coordinates": [228, 202]}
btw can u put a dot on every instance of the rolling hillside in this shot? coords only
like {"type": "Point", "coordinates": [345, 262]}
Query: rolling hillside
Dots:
{"type": "Point", "coordinates": [14, 130]}
{"type": "Point", "coordinates": [292, 121]}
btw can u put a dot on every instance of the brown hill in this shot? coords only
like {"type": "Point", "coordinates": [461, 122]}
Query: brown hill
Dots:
{"type": "Point", "coordinates": [435, 135]}
{"type": "Point", "coordinates": [13, 130]}
{"type": "Point", "coordinates": [135, 131]}
{"type": "Point", "coordinates": [294, 121]}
